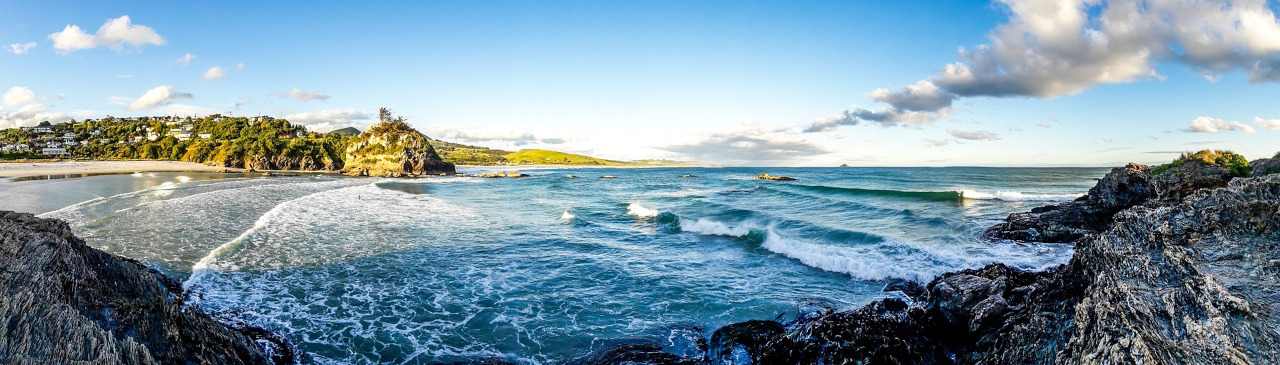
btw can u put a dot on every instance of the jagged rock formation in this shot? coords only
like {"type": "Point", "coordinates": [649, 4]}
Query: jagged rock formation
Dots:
{"type": "Point", "coordinates": [1195, 280]}
{"type": "Point", "coordinates": [393, 149]}
{"type": "Point", "coordinates": [1264, 166]}
{"type": "Point", "coordinates": [67, 303]}
{"type": "Point", "coordinates": [288, 163]}
{"type": "Point", "coordinates": [1120, 189]}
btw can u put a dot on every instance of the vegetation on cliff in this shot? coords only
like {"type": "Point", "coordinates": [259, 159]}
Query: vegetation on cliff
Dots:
{"type": "Point", "coordinates": [393, 148]}
{"type": "Point", "coordinates": [1237, 164]}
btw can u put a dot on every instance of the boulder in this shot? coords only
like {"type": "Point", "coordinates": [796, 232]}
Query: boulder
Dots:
{"type": "Point", "coordinates": [1119, 189]}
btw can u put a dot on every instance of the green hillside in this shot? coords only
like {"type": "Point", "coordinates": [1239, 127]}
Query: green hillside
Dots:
{"type": "Point", "coordinates": [545, 157]}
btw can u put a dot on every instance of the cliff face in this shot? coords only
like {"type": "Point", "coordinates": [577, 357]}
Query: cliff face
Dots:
{"type": "Point", "coordinates": [393, 149]}
{"type": "Point", "coordinates": [65, 302]}
{"type": "Point", "coordinates": [1194, 279]}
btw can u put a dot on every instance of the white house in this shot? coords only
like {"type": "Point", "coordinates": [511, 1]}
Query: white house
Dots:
{"type": "Point", "coordinates": [205, 135]}
{"type": "Point", "coordinates": [42, 129]}
{"type": "Point", "coordinates": [53, 151]}
{"type": "Point", "coordinates": [151, 136]}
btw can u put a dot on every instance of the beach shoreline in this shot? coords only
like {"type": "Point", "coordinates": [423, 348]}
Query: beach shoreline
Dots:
{"type": "Point", "coordinates": [46, 168]}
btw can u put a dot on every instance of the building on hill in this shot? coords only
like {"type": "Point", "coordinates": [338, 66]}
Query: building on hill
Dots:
{"type": "Point", "coordinates": [49, 151]}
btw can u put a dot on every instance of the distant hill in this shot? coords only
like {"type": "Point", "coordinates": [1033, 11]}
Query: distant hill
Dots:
{"type": "Point", "coordinates": [669, 163]}
{"type": "Point", "coordinates": [348, 131]}
{"type": "Point", "coordinates": [546, 157]}
{"type": "Point", "coordinates": [461, 154]}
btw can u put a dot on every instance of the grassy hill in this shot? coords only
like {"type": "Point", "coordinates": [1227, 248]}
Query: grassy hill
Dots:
{"type": "Point", "coordinates": [461, 154]}
{"type": "Point", "coordinates": [545, 157]}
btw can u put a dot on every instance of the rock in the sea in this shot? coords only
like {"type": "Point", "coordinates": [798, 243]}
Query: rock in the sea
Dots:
{"type": "Point", "coordinates": [1120, 189]}
{"type": "Point", "coordinates": [67, 303]}
{"type": "Point", "coordinates": [775, 178]}
{"type": "Point", "coordinates": [392, 148]}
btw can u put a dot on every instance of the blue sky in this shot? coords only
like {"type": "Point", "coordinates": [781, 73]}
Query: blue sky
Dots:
{"type": "Point", "coordinates": [764, 83]}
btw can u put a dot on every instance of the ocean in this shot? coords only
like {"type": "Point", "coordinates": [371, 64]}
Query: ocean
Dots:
{"type": "Point", "coordinates": [544, 269]}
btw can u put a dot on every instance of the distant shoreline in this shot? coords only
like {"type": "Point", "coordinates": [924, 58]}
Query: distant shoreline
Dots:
{"type": "Point", "coordinates": [47, 168]}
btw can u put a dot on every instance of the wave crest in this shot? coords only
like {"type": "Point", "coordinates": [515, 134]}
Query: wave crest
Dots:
{"type": "Point", "coordinates": [640, 211]}
{"type": "Point", "coordinates": [1014, 196]}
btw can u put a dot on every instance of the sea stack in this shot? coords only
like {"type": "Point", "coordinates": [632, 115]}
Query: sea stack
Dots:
{"type": "Point", "coordinates": [392, 148]}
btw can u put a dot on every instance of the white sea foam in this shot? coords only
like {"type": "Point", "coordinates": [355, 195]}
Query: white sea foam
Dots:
{"type": "Point", "coordinates": [1015, 196]}
{"type": "Point", "coordinates": [566, 216]}
{"type": "Point", "coordinates": [865, 264]}
{"type": "Point", "coordinates": [709, 227]}
{"type": "Point", "coordinates": [640, 211]}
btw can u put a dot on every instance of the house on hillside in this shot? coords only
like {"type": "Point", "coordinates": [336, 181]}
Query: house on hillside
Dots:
{"type": "Point", "coordinates": [42, 129]}
{"type": "Point", "coordinates": [68, 137]}
{"type": "Point", "coordinates": [205, 135]}
{"type": "Point", "coordinates": [53, 151]}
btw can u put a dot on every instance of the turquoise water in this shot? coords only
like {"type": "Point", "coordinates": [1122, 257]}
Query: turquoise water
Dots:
{"type": "Point", "coordinates": [544, 269]}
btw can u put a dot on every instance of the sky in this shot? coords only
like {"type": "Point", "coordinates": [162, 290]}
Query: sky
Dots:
{"type": "Point", "coordinates": [788, 83]}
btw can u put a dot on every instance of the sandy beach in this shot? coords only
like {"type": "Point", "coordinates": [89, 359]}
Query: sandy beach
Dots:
{"type": "Point", "coordinates": [17, 169]}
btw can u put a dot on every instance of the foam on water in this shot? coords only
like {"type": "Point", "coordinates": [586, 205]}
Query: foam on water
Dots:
{"type": "Point", "coordinates": [640, 211]}
{"type": "Point", "coordinates": [709, 227]}
{"type": "Point", "coordinates": [566, 216]}
{"type": "Point", "coordinates": [1014, 196]}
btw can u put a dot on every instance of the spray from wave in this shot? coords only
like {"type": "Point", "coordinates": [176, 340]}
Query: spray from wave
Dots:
{"type": "Point", "coordinates": [640, 211]}
{"type": "Point", "coordinates": [1014, 196]}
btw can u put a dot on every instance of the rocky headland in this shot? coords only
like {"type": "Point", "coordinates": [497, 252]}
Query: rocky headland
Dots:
{"type": "Point", "coordinates": [1177, 264]}
{"type": "Point", "coordinates": [67, 303]}
{"type": "Point", "coordinates": [392, 148]}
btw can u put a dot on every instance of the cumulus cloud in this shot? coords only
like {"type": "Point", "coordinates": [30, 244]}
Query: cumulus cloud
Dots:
{"type": "Point", "coordinates": [749, 145]}
{"type": "Point", "coordinates": [973, 135]}
{"type": "Point", "coordinates": [215, 73]}
{"type": "Point", "coordinates": [114, 34]}
{"type": "Point", "coordinates": [304, 96]}
{"type": "Point", "coordinates": [20, 48]}
{"type": "Point", "coordinates": [1204, 124]}
{"type": "Point", "coordinates": [19, 108]}
{"type": "Point", "coordinates": [887, 117]}
{"type": "Point", "coordinates": [1272, 124]}
{"type": "Point", "coordinates": [185, 60]}
{"type": "Point", "coordinates": [17, 96]}
{"type": "Point", "coordinates": [1043, 125]}
{"type": "Point", "coordinates": [328, 120]}
{"type": "Point", "coordinates": [1051, 48]}
{"type": "Point", "coordinates": [157, 96]}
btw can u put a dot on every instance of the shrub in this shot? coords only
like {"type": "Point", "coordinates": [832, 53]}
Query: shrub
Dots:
{"type": "Point", "coordinates": [1237, 164]}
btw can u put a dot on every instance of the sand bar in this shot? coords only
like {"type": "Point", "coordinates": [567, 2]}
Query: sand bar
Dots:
{"type": "Point", "coordinates": [17, 169]}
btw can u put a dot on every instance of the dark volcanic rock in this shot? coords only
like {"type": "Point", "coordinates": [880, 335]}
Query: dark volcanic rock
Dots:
{"type": "Point", "coordinates": [65, 302]}
{"type": "Point", "coordinates": [1182, 180]}
{"type": "Point", "coordinates": [1264, 166]}
{"type": "Point", "coordinates": [1193, 281]}
{"type": "Point", "coordinates": [1122, 188]}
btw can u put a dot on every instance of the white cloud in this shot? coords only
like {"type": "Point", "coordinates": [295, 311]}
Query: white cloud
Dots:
{"type": "Point", "coordinates": [157, 96]}
{"type": "Point", "coordinates": [751, 144]}
{"type": "Point", "coordinates": [331, 119]}
{"type": "Point", "coordinates": [304, 96]}
{"type": "Point", "coordinates": [1272, 124]}
{"type": "Point", "coordinates": [185, 60]}
{"type": "Point", "coordinates": [494, 138]}
{"type": "Point", "coordinates": [114, 34]}
{"type": "Point", "coordinates": [215, 73]}
{"type": "Point", "coordinates": [1051, 48]}
{"type": "Point", "coordinates": [1204, 124]}
{"type": "Point", "coordinates": [20, 48]}
{"type": "Point", "coordinates": [1043, 125]}
{"type": "Point", "coordinates": [17, 96]}
{"type": "Point", "coordinates": [973, 135]}
{"type": "Point", "coordinates": [936, 143]}
{"type": "Point", "coordinates": [20, 109]}
{"type": "Point", "coordinates": [240, 66]}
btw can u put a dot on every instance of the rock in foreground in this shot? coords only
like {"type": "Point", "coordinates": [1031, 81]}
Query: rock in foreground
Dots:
{"type": "Point", "coordinates": [393, 149]}
{"type": "Point", "coordinates": [65, 302]}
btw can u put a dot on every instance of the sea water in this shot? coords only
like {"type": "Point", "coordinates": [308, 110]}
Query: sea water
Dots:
{"type": "Point", "coordinates": [545, 269]}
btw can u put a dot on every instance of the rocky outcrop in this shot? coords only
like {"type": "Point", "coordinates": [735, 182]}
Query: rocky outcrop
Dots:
{"type": "Point", "coordinates": [1194, 281]}
{"type": "Point", "coordinates": [67, 303]}
{"type": "Point", "coordinates": [1264, 166]}
{"type": "Point", "coordinates": [775, 178]}
{"type": "Point", "coordinates": [1120, 189]}
{"type": "Point", "coordinates": [393, 149]}
{"type": "Point", "coordinates": [1180, 180]}
{"type": "Point", "coordinates": [285, 163]}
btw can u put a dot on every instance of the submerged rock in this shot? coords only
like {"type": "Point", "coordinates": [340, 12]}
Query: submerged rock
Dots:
{"type": "Point", "coordinates": [1193, 281]}
{"type": "Point", "coordinates": [392, 148]}
{"type": "Point", "coordinates": [65, 302]}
